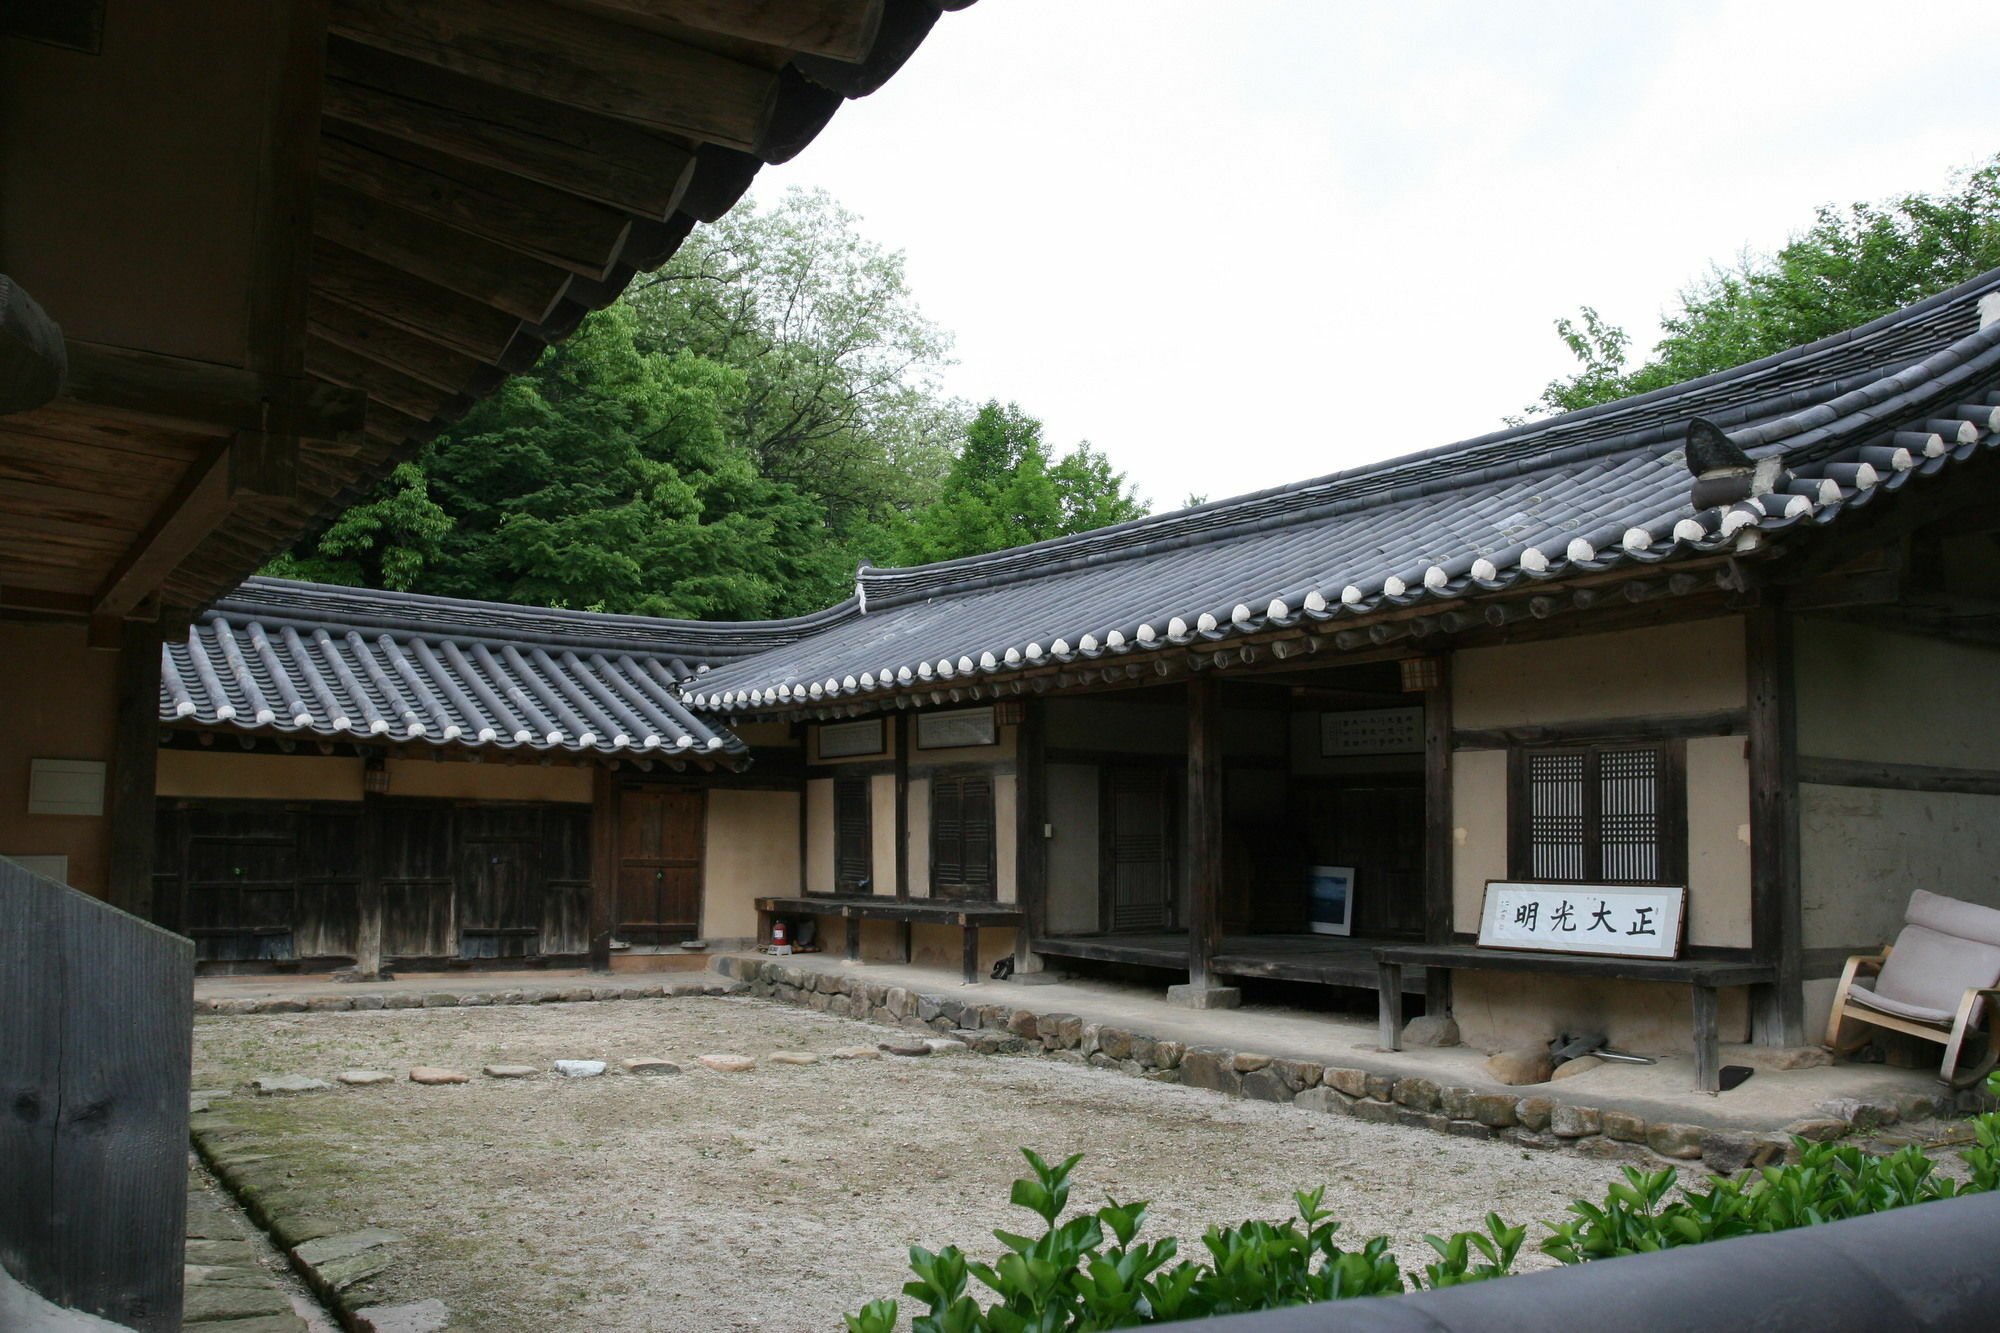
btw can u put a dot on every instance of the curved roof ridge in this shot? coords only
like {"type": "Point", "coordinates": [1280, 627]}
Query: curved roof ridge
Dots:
{"type": "Point", "coordinates": [697, 641]}
{"type": "Point", "coordinates": [1568, 437]}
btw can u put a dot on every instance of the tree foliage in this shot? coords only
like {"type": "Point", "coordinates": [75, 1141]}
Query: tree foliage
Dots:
{"type": "Point", "coordinates": [729, 441]}
{"type": "Point", "coordinates": [1852, 265]}
{"type": "Point", "coordinates": [1004, 490]}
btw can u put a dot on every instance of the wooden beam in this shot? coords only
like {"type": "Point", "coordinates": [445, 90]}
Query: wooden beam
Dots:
{"type": "Point", "coordinates": [413, 355]}
{"type": "Point", "coordinates": [15, 597]}
{"type": "Point", "coordinates": [378, 381]}
{"type": "Point", "coordinates": [280, 248]}
{"type": "Point", "coordinates": [578, 235]}
{"type": "Point", "coordinates": [1031, 847]}
{"type": "Point", "coordinates": [1438, 795]}
{"type": "Point", "coordinates": [396, 297]}
{"type": "Point", "coordinates": [1204, 829]}
{"type": "Point", "coordinates": [603, 864]}
{"type": "Point", "coordinates": [582, 60]}
{"type": "Point", "coordinates": [232, 473]}
{"type": "Point", "coordinates": [1775, 912]}
{"type": "Point", "coordinates": [836, 29]}
{"type": "Point", "coordinates": [1899, 777]}
{"type": "Point", "coordinates": [596, 157]}
{"type": "Point", "coordinates": [176, 391]}
{"type": "Point", "coordinates": [1676, 726]}
{"type": "Point", "coordinates": [135, 749]}
{"type": "Point", "coordinates": [454, 259]}
{"type": "Point", "coordinates": [369, 897]}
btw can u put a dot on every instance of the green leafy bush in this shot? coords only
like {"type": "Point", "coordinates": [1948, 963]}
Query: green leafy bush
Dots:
{"type": "Point", "coordinates": [1093, 1272]}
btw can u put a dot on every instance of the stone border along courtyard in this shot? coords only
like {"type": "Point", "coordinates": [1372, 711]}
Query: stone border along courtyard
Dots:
{"type": "Point", "coordinates": [1535, 1121]}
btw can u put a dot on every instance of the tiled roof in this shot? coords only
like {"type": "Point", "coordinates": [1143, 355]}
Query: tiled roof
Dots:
{"type": "Point", "coordinates": [1852, 417]}
{"type": "Point", "coordinates": [342, 663]}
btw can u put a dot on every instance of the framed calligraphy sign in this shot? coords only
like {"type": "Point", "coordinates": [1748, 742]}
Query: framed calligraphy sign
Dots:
{"type": "Point", "coordinates": [1617, 920]}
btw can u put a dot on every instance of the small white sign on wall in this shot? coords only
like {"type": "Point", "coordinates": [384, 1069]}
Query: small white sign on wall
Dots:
{"type": "Point", "coordinates": [845, 740]}
{"type": "Point", "coordinates": [1371, 731]}
{"type": "Point", "coordinates": [948, 731]}
{"type": "Point", "coordinates": [65, 786]}
{"type": "Point", "coordinates": [1619, 920]}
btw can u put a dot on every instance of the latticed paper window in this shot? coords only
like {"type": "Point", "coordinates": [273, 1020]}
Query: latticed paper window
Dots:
{"type": "Point", "coordinates": [1609, 813]}
{"type": "Point", "coordinates": [853, 837]}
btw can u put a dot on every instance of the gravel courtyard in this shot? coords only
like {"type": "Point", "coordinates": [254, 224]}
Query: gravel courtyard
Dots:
{"type": "Point", "coordinates": [779, 1198]}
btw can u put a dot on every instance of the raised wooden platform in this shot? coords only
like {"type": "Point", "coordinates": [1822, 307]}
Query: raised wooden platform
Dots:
{"type": "Point", "coordinates": [855, 908]}
{"type": "Point", "coordinates": [1326, 960]}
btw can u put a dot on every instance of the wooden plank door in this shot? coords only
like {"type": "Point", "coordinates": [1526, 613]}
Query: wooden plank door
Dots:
{"type": "Point", "coordinates": [1141, 889]}
{"type": "Point", "coordinates": [499, 896]}
{"type": "Point", "coordinates": [240, 881]}
{"type": "Point", "coordinates": [660, 833]}
{"type": "Point", "coordinates": [1375, 825]}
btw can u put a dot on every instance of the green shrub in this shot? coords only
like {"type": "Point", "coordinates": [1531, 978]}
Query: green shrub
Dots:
{"type": "Point", "coordinates": [1093, 1272]}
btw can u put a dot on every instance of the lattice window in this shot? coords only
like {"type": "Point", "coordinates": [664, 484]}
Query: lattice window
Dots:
{"type": "Point", "coordinates": [1599, 813]}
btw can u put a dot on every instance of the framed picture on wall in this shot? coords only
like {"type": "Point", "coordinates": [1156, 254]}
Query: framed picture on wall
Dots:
{"type": "Point", "coordinates": [845, 740]}
{"type": "Point", "coordinates": [1330, 899]}
{"type": "Point", "coordinates": [960, 727]}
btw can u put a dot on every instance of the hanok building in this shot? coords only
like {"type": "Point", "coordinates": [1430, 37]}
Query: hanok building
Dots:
{"type": "Point", "coordinates": [252, 255]}
{"type": "Point", "coordinates": [1737, 636]}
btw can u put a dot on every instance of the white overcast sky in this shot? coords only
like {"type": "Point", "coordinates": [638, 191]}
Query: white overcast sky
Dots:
{"type": "Point", "coordinates": [1236, 244]}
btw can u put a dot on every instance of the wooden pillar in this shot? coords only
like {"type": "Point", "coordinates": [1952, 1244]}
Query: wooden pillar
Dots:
{"type": "Point", "coordinates": [1031, 848]}
{"type": "Point", "coordinates": [1778, 1013]}
{"type": "Point", "coordinates": [1204, 849]}
{"type": "Point", "coordinates": [135, 753]}
{"type": "Point", "coordinates": [904, 724]}
{"type": "Point", "coordinates": [603, 864]}
{"type": "Point", "coordinates": [368, 894]}
{"type": "Point", "coordinates": [1438, 906]}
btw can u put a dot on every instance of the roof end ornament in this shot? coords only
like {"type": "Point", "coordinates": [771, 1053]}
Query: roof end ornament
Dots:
{"type": "Point", "coordinates": [1723, 473]}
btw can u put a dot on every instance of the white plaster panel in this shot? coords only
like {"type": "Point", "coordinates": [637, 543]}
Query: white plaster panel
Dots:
{"type": "Point", "coordinates": [751, 851]}
{"type": "Point", "coordinates": [1694, 667]}
{"type": "Point", "coordinates": [1863, 850]}
{"type": "Point", "coordinates": [1478, 832]}
{"type": "Point", "coordinates": [819, 835]}
{"type": "Point", "coordinates": [1873, 694]}
{"type": "Point", "coordinates": [920, 837]}
{"type": "Point", "coordinates": [882, 831]}
{"type": "Point", "coordinates": [1718, 818]}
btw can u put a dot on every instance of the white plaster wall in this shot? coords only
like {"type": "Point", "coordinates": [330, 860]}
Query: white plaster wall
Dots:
{"type": "Point", "coordinates": [1863, 850]}
{"type": "Point", "coordinates": [1873, 694]}
{"type": "Point", "coordinates": [920, 837]}
{"type": "Point", "coordinates": [1006, 834]}
{"type": "Point", "coordinates": [819, 835]}
{"type": "Point", "coordinates": [1478, 831]}
{"type": "Point", "coordinates": [1073, 851]}
{"type": "Point", "coordinates": [751, 851]}
{"type": "Point", "coordinates": [1499, 1010]}
{"type": "Point", "coordinates": [1718, 854]}
{"type": "Point", "coordinates": [1695, 667]}
{"type": "Point", "coordinates": [882, 831]}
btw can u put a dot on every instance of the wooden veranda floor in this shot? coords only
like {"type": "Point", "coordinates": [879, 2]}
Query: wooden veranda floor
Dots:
{"type": "Point", "coordinates": [1327, 960]}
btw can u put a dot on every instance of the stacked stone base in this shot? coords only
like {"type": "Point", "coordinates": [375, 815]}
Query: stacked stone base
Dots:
{"type": "Point", "coordinates": [1534, 1122]}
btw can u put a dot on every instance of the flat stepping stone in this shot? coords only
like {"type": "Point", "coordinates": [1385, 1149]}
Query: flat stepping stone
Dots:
{"type": "Point", "coordinates": [648, 1067]}
{"type": "Point", "coordinates": [792, 1058]}
{"type": "Point", "coordinates": [206, 1302]}
{"type": "Point", "coordinates": [286, 1085]}
{"type": "Point", "coordinates": [510, 1071]}
{"type": "Point", "coordinates": [365, 1078]}
{"type": "Point", "coordinates": [855, 1053]}
{"type": "Point", "coordinates": [729, 1064]}
{"type": "Point", "coordinates": [906, 1047]}
{"type": "Point", "coordinates": [431, 1075]}
{"type": "Point", "coordinates": [580, 1068]}
{"type": "Point", "coordinates": [946, 1045]}
{"type": "Point", "coordinates": [419, 1317]}
{"type": "Point", "coordinates": [269, 1323]}
{"type": "Point", "coordinates": [345, 1245]}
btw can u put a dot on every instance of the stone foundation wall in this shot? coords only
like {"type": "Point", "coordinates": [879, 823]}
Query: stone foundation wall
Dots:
{"type": "Point", "coordinates": [1536, 1122]}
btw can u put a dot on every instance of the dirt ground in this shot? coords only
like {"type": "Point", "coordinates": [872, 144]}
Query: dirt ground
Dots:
{"type": "Point", "coordinates": [780, 1198]}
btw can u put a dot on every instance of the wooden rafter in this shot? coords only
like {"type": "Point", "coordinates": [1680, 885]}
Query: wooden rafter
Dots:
{"type": "Point", "coordinates": [203, 396]}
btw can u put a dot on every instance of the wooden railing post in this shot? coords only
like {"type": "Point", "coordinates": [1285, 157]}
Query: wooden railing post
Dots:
{"type": "Point", "coordinates": [1204, 850]}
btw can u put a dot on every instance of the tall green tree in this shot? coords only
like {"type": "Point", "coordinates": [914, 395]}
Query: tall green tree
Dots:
{"type": "Point", "coordinates": [1852, 265]}
{"type": "Point", "coordinates": [1004, 490]}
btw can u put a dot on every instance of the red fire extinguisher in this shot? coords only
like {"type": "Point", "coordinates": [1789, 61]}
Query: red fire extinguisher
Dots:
{"type": "Point", "coordinates": [780, 938]}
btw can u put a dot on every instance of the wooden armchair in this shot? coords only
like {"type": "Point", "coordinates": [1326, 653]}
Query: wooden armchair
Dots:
{"type": "Point", "coordinates": [1933, 983]}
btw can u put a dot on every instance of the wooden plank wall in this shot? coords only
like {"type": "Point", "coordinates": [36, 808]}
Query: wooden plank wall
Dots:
{"type": "Point", "coordinates": [94, 1067]}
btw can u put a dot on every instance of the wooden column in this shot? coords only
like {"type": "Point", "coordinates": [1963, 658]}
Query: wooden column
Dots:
{"type": "Point", "coordinates": [603, 864]}
{"type": "Point", "coordinates": [1031, 849]}
{"type": "Point", "coordinates": [1438, 907]}
{"type": "Point", "coordinates": [129, 806]}
{"type": "Point", "coordinates": [904, 723]}
{"type": "Point", "coordinates": [1204, 848]}
{"type": "Point", "coordinates": [368, 894]}
{"type": "Point", "coordinates": [1778, 1011]}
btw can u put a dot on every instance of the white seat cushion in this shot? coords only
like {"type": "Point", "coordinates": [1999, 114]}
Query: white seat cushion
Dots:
{"type": "Point", "coordinates": [1861, 995]}
{"type": "Point", "coordinates": [1931, 970]}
